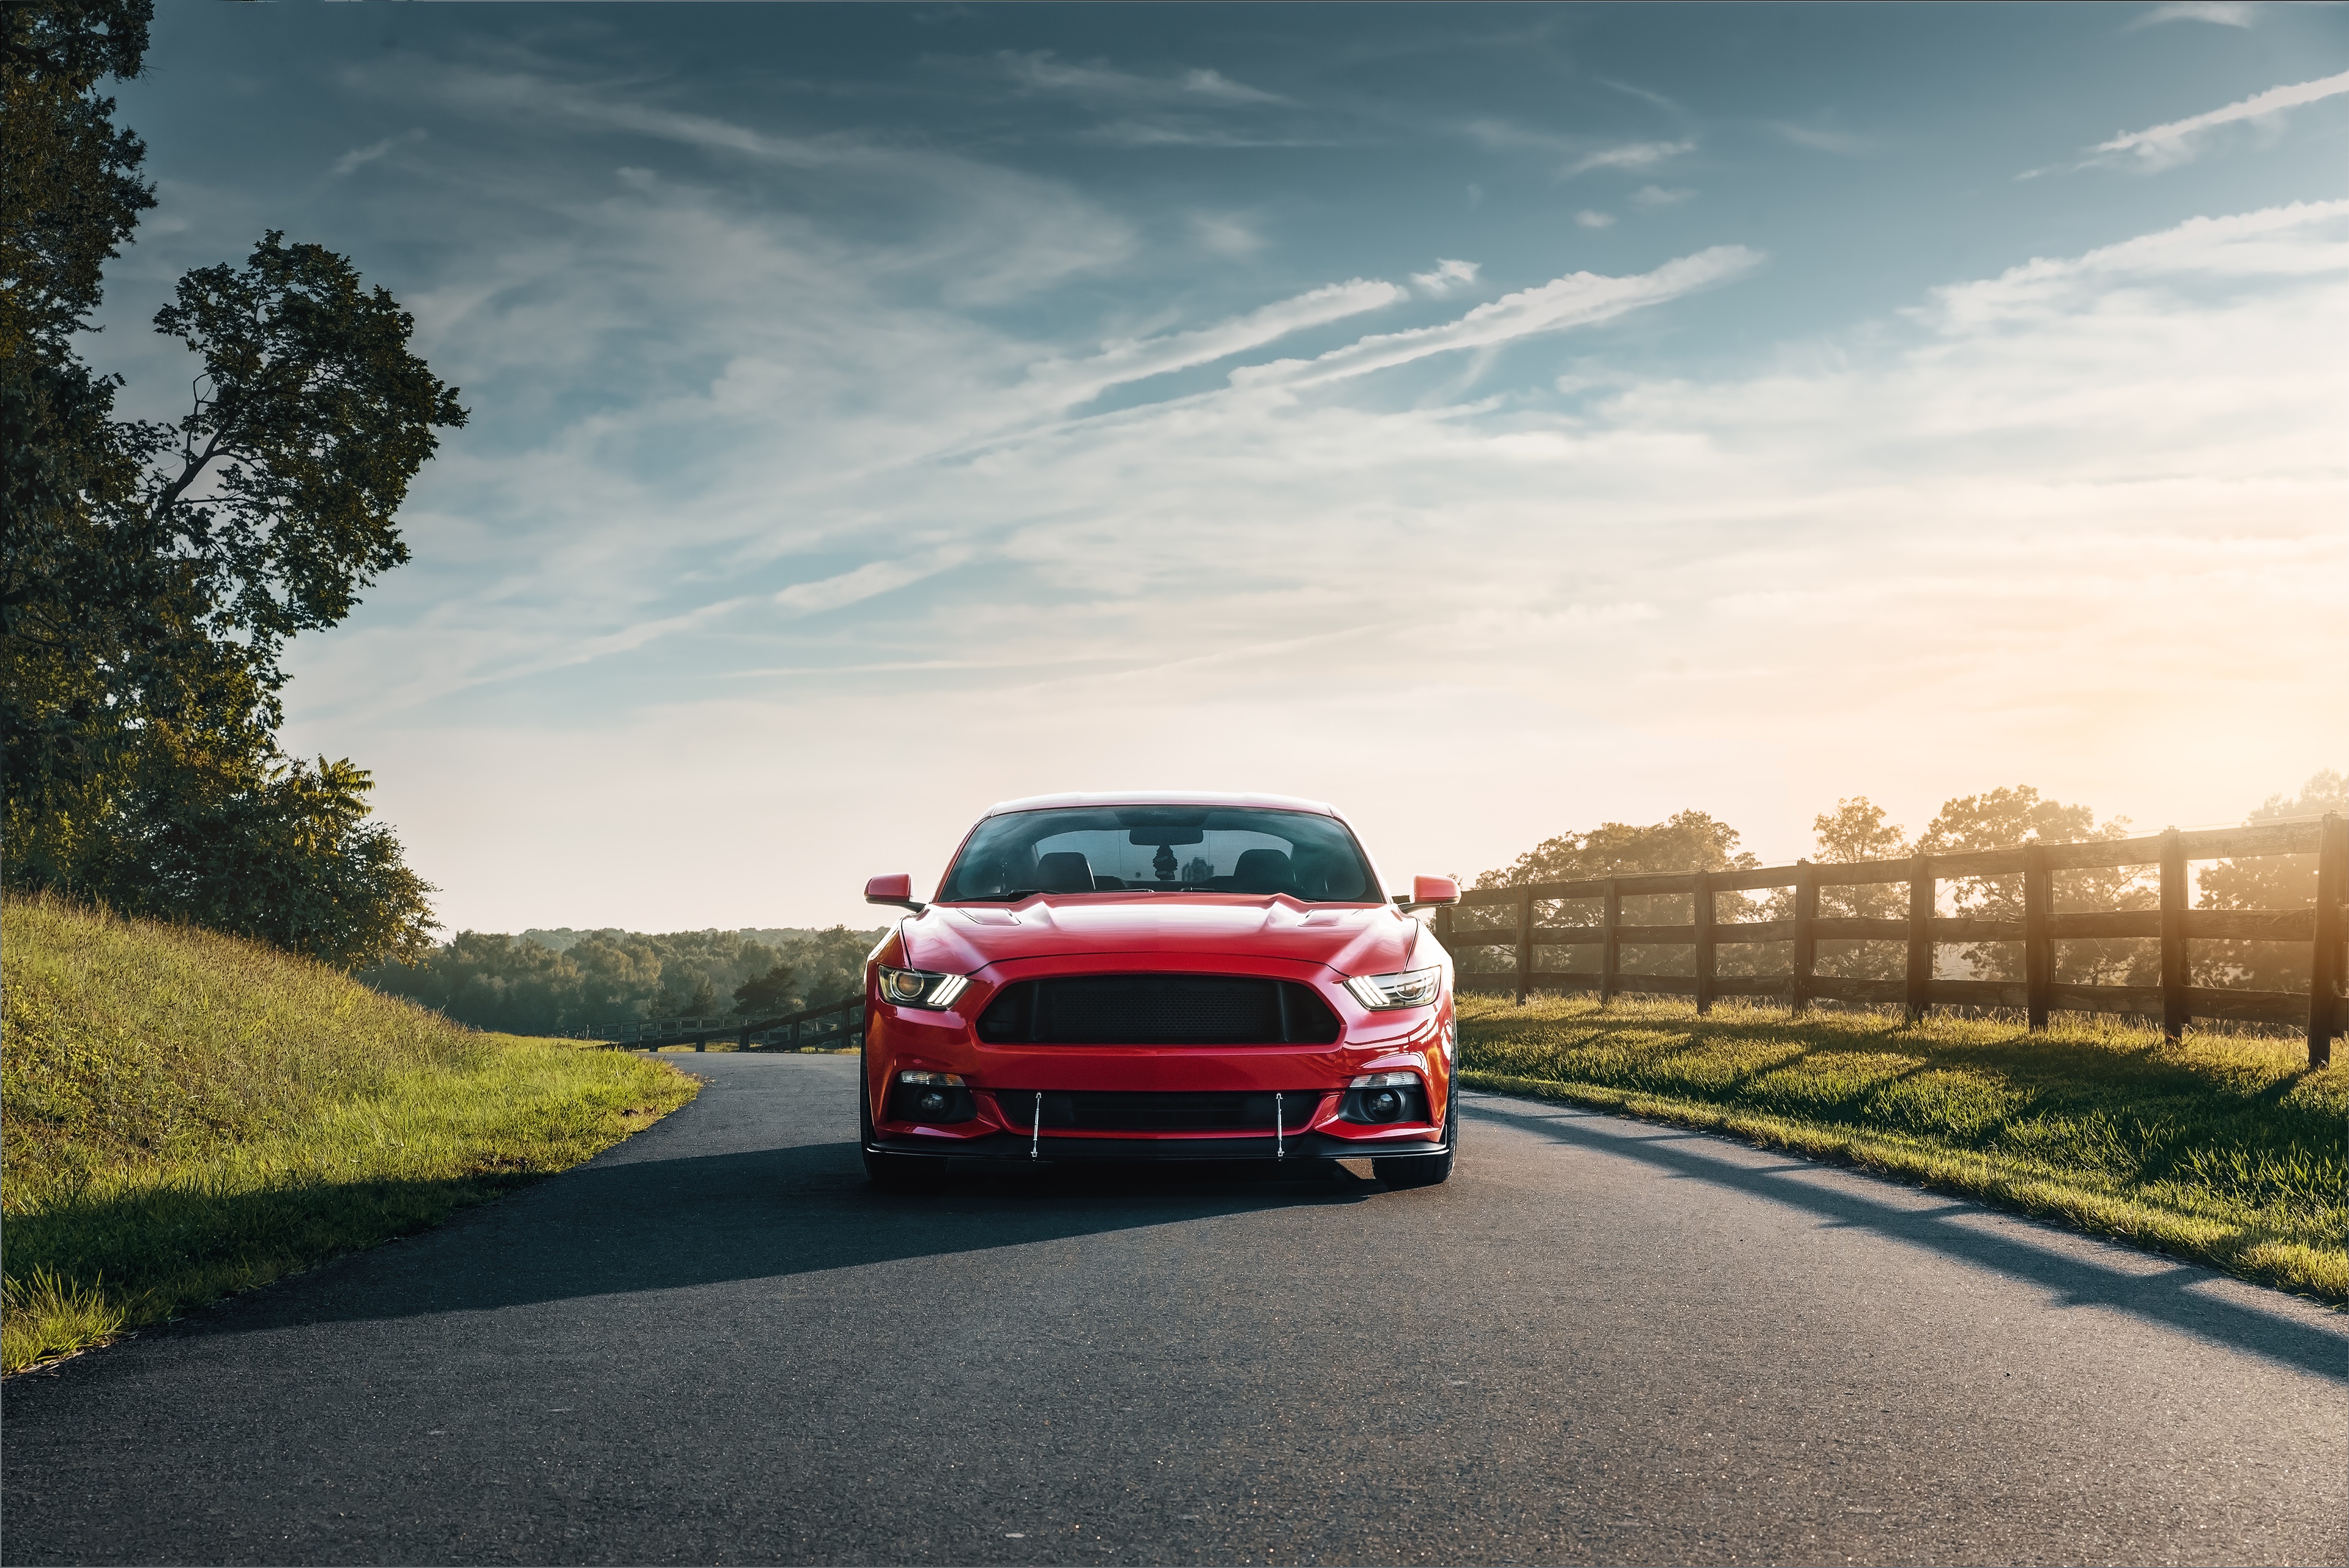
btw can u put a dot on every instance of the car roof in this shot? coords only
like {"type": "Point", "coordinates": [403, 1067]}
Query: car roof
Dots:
{"type": "Point", "coordinates": [1163, 797]}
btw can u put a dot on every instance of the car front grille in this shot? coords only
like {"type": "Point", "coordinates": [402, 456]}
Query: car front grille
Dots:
{"type": "Point", "coordinates": [1200, 1110]}
{"type": "Point", "coordinates": [1157, 1010]}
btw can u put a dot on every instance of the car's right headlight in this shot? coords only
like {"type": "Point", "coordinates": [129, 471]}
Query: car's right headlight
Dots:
{"type": "Point", "coordinates": [1410, 988]}
{"type": "Point", "coordinates": [920, 988]}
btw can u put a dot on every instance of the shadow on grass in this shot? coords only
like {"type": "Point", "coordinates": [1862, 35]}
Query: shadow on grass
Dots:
{"type": "Point", "coordinates": [2160, 1110]}
{"type": "Point", "coordinates": [2164, 1297]}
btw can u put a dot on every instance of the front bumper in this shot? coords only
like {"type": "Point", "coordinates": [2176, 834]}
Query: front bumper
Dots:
{"type": "Point", "coordinates": [1016, 1148]}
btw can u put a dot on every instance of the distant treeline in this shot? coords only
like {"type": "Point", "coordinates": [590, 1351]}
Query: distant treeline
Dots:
{"type": "Point", "coordinates": [550, 982]}
{"type": "Point", "coordinates": [1998, 818]}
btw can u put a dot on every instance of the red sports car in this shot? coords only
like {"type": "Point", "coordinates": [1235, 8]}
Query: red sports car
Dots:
{"type": "Point", "coordinates": [1159, 976]}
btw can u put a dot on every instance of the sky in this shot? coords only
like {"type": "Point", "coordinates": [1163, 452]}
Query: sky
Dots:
{"type": "Point", "coordinates": [1493, 421]}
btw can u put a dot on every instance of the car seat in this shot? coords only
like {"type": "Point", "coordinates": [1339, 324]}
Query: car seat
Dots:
{"type": "Point", "coordinates": [1065, 870]}
{"type": "Point", "coordinates": [1261, 870]}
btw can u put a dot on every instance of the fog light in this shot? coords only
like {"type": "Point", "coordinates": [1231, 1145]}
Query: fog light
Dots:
{"type": "Point", "coordinates": [941, 1099]}
{"type": "Point", "coordinates": [1378, 1097]}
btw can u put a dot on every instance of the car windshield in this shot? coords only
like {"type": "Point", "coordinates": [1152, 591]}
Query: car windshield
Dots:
{"type": "Point", "coordinates": [1165, 849]}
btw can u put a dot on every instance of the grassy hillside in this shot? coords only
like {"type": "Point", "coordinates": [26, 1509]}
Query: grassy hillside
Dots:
{"type": "Point", "coordinates": [2223, 1148]}
{"type": "Point", "coordinates": [184, 1114]}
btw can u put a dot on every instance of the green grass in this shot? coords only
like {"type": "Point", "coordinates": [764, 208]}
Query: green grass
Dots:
{"type": "Point", "coordinates": [184, 1114]}
{"type": "Point", "coordinates": [2222, 1149]}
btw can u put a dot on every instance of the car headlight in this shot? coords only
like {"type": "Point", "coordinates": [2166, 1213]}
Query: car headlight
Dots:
{"type": "Point", "coordinates": [920, 988]}
{"type": "Point", "coordinates": [1411, 988]}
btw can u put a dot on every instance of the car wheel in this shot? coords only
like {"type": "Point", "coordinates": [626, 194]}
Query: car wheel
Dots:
{"type": "Point", "coordinates": [889, 1172]}
{"type": "Point", "coordinates": [1424, 1170]}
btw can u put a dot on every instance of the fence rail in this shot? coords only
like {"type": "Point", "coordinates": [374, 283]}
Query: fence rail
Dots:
{"type": "Point", "coordinates": [2323, 927]}
{"type": "Point", "coordinates": [838, 1022]}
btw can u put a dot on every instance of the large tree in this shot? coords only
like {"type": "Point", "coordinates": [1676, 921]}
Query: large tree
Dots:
{"type": "Point", "coordinates": [1856, 830]}
{"type": "Point", "coordinates": [1686, 840]}
{"type": "Point", "coordinates": [2004, 818]}
{"type": "Point", "coordinates": [2267, 882]}
{"type": "Point", "coordinates": [154, 569]}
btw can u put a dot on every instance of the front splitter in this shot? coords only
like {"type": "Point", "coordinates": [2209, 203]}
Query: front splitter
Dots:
{"type": "Point", "coordinates": [1007, 1148]}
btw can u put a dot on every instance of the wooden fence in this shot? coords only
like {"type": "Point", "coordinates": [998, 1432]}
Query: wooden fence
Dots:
{"type": "Point", "coordinates": [2175, 1002]}
{"type": "Point", "coordinates": [834, 1023]}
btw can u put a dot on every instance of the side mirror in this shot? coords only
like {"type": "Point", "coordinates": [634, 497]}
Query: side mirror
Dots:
{"type": "Point", "coordinates": [897, 890]}
{"type": "Point", "coordinates": [1426, 890]}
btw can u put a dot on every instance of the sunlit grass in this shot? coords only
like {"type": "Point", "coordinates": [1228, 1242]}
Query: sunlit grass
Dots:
{"type": "Point", "coordinates": [2223, 1148]}
{"type": "Point", "coordinates": [185, 1114]}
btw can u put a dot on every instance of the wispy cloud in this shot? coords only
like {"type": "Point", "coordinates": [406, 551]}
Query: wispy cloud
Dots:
{"type": "Point", "coordinates": [1226, 234]}
{"type": "Point", "coordinates": [1166, 132]}
{"type": "Point", "coordinates": [359, 157]}
{"type": "Point", "coordinates": [1134, 359]}
{"type": "Point", "coordinates": [1645, 95]}
{"type": "Point", "coordinates": [1629, 155]}
{"type": "Point", "coordinates": [2223, 13]}
{"type": "Point", "coordinates": [2167, 146]}
{"type": "Point", "coordinates": [1581, 156]}
{"type": "Point", "coordinates": [867, 582]}
{"type": "Point", "coordinates": [1216, 85]}
{"type": "Point", "coordinates": [1653, 197]}
{"type": "Point", "coordinates": [1007, 234]}
{"type": "Point", "coordinates": [1042, 71]}
{"type": "Point", "coordinates": [2300, 239]}
{"type": "Point", "coordinates": [1594, 219]}
{"type": "Point", "coordinates": [1578, 299]}
{"type": "Point", "coordinates": [1447, 276]}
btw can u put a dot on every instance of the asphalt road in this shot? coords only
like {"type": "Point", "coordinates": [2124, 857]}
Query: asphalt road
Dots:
{"type": "Point", "coordinates": [1601, 1341]}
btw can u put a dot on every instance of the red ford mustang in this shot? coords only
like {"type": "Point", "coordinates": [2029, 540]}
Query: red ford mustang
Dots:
{"type": "Point", "coordinates": [1159, 976]}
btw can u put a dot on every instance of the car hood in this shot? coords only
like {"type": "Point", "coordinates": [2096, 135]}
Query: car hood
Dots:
{"type": "Point", "coordinates": [962, 939]}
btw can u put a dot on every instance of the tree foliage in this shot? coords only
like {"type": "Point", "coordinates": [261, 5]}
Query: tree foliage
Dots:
{"type": "Point", "coordinates": [1856, 830]}
{"type": "Point", "coordinates": [768, 995]}
{"type": "Point", "coordinates": [154, 569]}
{"type": "Point", "coordinates": [530, 985]}
{"type": "Point", "coordinates": [2005, 817]}
{"type": "Point", "coordinates": [2268, 882]}
{"type": "Point", "coordinates": [1686, 840]}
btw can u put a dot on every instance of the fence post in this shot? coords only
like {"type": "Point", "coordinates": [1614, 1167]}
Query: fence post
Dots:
{"type": "Point", "coordinates": [2173, 936]}
{"type": "Point", "coordinates": [2038, 947]}
{"type": "Point", "coordinates": [1610, 949]}
{"type": "Point", "coordinates": [1920, 936]}
{"type": "Point", "coordinates": [1444, 927]}
{"type": "Point", "coordinates": [1524, 945]}
{"type": "Point", "coordinates": [2325, 953]}
{"type": "Point", "coordinates": [1701, 906]}
{"type": "Point", "coordinates": [1806, 946]}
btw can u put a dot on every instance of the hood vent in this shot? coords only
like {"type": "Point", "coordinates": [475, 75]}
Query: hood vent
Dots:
{"type": "Point", "coordinates": [1157, 1010]}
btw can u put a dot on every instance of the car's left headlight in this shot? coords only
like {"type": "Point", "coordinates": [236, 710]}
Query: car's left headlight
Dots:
{"type": "Point", "coordinates": [1411, 988]}
{"type": "Point", "coordinates": [920, 988]}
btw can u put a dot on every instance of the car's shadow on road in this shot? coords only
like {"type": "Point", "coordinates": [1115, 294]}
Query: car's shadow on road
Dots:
{"type": "Point", "coordinates": [2164, 1294]}
{"type": "Point", "coordinates": [646, 1226]}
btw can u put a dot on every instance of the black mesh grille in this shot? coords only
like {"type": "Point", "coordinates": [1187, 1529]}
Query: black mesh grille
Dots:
{"type": "Point", "coordinates": [1157, 1010]}
{"type": "Point", "coordinates": [1186, 1111]}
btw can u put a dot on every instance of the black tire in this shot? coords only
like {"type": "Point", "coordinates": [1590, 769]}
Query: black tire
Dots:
{"type": "Point", "coordinates": [1424, 1170]}
{"type": "Point", "coordinates": [889, 1172]}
